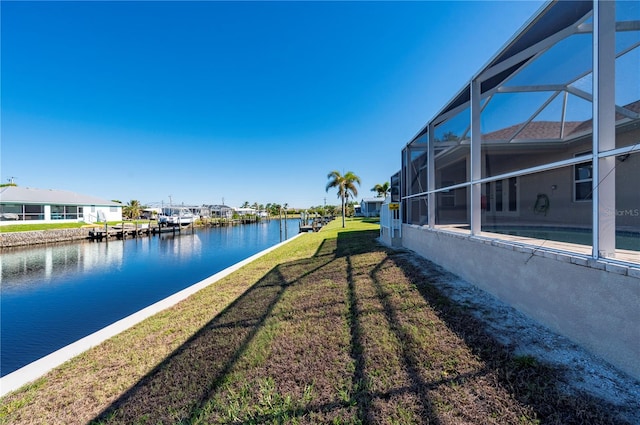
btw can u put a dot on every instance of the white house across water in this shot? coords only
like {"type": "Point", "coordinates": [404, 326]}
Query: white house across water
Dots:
{"type": "Point", "coordinates": [527, 182]}
{"type": "Point", "coordinates": [25, 204]}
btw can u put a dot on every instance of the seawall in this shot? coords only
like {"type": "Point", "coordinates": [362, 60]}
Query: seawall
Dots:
{"type": "Point", "coordinates": [36, 237]}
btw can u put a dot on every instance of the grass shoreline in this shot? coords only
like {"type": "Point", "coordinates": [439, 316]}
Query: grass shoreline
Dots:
{"type": "Point", "coordinates": [329, 328]}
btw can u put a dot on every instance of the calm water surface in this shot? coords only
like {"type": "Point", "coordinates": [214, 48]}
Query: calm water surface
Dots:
{"type": "Point", "coordinates": [54, 295]}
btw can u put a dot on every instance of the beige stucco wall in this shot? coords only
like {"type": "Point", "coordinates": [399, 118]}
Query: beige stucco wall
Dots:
{"type": "Point", "coordinates": [594, 303]}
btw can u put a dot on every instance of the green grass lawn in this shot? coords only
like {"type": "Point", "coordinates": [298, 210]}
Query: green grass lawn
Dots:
{"type": "Point", "coordinates": [40, 226]}
{"type": "Point", "coordinates": [329, 328]}
{"type": "Point", "coordinates": [52, 226]}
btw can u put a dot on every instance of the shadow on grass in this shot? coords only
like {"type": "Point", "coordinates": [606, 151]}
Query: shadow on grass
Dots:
{"type": "Point", "coordinates": [364, 396]}
{"type": "Point", "coordinates": [186, 381]}
{"type": "Point", "coordinates": [535, 386]}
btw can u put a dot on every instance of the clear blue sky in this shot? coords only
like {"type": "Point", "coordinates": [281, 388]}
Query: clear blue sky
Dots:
{"type": "Point", "coordinates": [246, 101]}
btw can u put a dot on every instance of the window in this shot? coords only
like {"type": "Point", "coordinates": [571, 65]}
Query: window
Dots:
{"type": "Point", "coordinates": [500, 196]}
{"type": "Point", "coordinates": [582, 180]}
{"type": "Point", "coordinates": [71, 212]}
{"type": "Point", "coordinates": [64, 212]}
{"type": "Point", "coordinates": [34, 212]}
{"type": "Point", "coordinates": [57, 212]}
{"type": "Point", "coordinates": [11, 212]}
{"type": "Point", "coordinates": [447, 197]}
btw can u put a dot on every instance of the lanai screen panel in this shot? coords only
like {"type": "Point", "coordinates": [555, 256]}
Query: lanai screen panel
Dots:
{"type": "Point", "coordinates": [418, 165]}
{"type": "Point", "coordinates": [627, 79]}
{"type": "Point", "coordinates": [627, 209]}
{"type": "Point", "coordinates": [627, 169]}
{"type": "Point", "coordinates": [417, 180]}
{"type": "Point", "coordinates": [524, 206]}
{"type": "Point", "coordinates": [542, 113]}
{"type": "Point", "coordinates": [452, 149]}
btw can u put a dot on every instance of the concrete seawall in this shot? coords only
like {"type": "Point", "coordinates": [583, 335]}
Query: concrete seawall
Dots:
{"type": "Point", "coordinates": [36, 237]}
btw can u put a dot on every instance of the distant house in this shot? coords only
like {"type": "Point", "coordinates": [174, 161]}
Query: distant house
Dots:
{"type": "Point", "coordinates": [26, 204]}
{"type": "Point", "coordinates": [245, 211]}
{"type": "Point", "coordinates": [221, 211]}
{"type": "Point", "coordinates": [370, 207]}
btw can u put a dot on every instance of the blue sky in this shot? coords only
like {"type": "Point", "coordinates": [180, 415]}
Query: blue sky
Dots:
{"type": "Point", "coordinates": [241, 101]}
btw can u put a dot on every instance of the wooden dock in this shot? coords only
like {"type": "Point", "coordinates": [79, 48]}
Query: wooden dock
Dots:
{"type": "Point", "coordinates": [128, 229]}
{"type": "Point", "coordinates": [313, 226]}
{"type": "Point", "coordinates": [132, 230]}
{"type": "Point", "coordinates": [106, 232]}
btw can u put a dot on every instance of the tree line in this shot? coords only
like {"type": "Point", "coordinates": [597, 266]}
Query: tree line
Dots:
{"type": "Point", "coordinates": [345, 184]}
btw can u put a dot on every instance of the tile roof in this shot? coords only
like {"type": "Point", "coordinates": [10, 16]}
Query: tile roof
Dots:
{"type": "Point", "coordinates": [550, 130]}
{"type": "Point", "coordinates": [535, 130]}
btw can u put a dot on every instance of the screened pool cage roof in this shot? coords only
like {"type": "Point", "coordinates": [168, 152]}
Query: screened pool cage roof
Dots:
{"type": "Point", "coordinates": [547, 65]}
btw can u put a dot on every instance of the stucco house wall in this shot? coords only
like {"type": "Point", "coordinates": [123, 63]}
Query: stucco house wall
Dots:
{"type": "Point", "coordinates": [20, 205]}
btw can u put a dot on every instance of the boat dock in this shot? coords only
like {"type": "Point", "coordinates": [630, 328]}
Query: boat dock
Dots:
{"type": "Point", "coordinates": [128, 229]}
{"type": "Point", "coordinates": [313, 225]}
{"type": "Point", "coordinates": [131, 230]}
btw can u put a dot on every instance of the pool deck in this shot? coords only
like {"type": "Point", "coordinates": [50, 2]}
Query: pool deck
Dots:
{"type": "Point", "coordinates": [623, 255]}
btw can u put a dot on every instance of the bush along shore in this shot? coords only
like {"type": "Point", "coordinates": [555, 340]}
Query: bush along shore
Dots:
{"type": "Point", "coordinates": [328, 328]}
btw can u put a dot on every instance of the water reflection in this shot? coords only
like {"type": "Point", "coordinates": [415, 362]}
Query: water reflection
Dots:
{"type": "Point", "coordinates": [25, 266]}
{"type": "Point", "coordinates": [181, 246]}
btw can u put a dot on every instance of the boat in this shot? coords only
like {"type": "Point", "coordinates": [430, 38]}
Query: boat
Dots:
{"type": "Point", "coordinates": [175, 216]}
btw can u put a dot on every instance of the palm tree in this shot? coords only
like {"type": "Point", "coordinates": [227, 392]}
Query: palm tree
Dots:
{"type": "Point", "coordinates": [274, 209]}
{"type": "Point", "coordinates": [345, 184]}
{"type": "Point", "coordinates": [382, 189]}
{"type": "Point", "coordinates": [133, 209]}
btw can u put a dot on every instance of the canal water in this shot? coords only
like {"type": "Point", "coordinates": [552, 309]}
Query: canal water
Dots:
{"type": "Point", "coordinates": [54, 295]}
